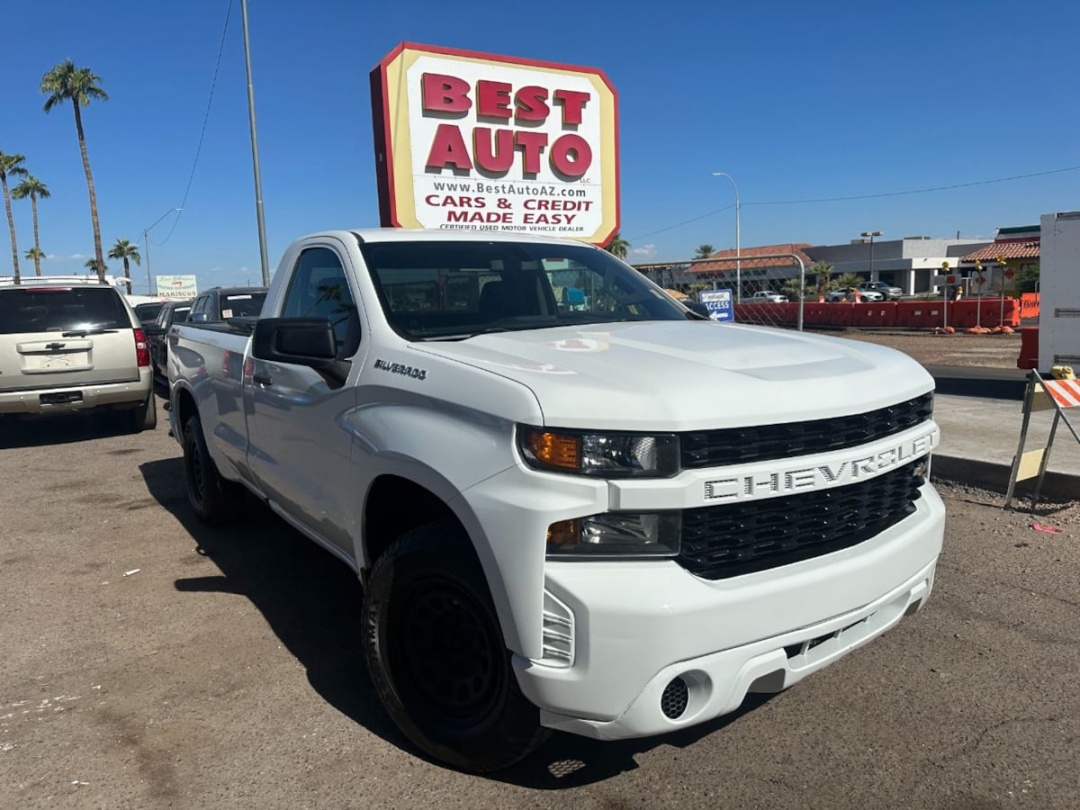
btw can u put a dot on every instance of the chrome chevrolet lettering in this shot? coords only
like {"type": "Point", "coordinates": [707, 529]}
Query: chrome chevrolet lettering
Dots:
{"type": "Point", "coordinates": [820, 476]}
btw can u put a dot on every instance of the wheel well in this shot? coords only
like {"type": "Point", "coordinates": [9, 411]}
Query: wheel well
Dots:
{"type": "Point", "coordinates": [185, 408]}
{"type": "Point", "coordinates": [395, 505]}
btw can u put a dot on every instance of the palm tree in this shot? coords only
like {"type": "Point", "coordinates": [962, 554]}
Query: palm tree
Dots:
{"type": "Point", "coordinates": [823, 271]}
{"type": "Point", "coordinates": [35, 255]}
{"type": "Point", "coordinates": [704, 251]}
{"type": "Point", "coordinates": [65, 82]}
{"type": "Point", "coordinates": [123, 249]}
{"type": "Point", "coordinates": [617, 246]}
{"type": "Point", "coordinates": [34, 189]}
{"type": "Point", "coordinates": [94, 266]}
{"type": "Point", "coordinates": [11, 165]}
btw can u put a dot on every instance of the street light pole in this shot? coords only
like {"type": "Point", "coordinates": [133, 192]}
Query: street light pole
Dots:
{"type": "Point", "coordinates": [738, 247]}
{"type": "Point", "coordinates": [872, 234]}
{"type": "Point", "coordinates": [255, 153]}
{"type": "Point", "coordinates": [146, 241]}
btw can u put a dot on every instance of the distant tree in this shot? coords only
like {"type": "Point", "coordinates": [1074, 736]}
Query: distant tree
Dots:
{"type": "Point", "coordinates": [11, 166]}
{"type": "Point", "coordinates": [123, 249]}
{"type": "Point", "coordinates": [618, 246]}
{"type": "Point", "coordinates": [1027, 280]}
{"type": "Point", "coordinates": [823, 273]}
{"type": "Point", "coordinates": [35, 255]}
{"type": "Point", "coordinates": [704, 251]}
{"type": "Point", "coordinates": [850, 280]}
{"type": "Point", "coordinates": [94, 266]}
{"type": "Point", "coordinates": [66, 82]}
{"type": "Point", "coordinates": [794, 290]}
{"type": "Point", "coordinates": [36, 190]}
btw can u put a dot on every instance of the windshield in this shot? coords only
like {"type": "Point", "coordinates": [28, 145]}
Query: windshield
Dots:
{"type": "Point", "coordinates": [433, 290]}
{"type": "Point", "coordinates": [148, 312]}
{"type": "Point", "coordinates": [61, 309]}
{"type": "Point", "coordinates": [241, 305]}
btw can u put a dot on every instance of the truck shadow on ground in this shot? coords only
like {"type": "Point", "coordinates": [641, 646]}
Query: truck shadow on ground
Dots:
{"type": "Point", "coordinates": [313, 603]}
{"type": "Point", "coordinates": [55, 430]}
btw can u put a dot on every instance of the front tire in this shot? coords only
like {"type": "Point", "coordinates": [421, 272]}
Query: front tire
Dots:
{"type": "Point", "coordinates": [436, 654]}
{"type": "Point", "coordinates": [213, 499]}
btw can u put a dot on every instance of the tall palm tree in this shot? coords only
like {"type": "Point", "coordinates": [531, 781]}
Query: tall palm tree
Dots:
{"type": "Point", "coordinates": [35, 255]}
{"type": "Point", "coordinates": [704, 251]}
{"type": "Point", "coordinates": [618, 246]}
{"type": "Point", "coordinates": [34, 189]}
{"type": "Point", "coordinates": [11, 166]}
{"type": "Point", "coordinates": [123, 249]}
{"type": "Point", "coordinates": [65, 82]}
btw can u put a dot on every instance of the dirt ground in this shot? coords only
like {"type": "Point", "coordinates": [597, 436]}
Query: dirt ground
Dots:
{"type": "Point", "coordinates": [151, 662]}
{"type": "Point", "coordinates": [960, 349]}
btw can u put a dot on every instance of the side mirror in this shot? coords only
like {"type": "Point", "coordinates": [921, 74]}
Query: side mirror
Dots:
{"type": "Point", "coordinates": [304, 341]}
{"type": "Point", "coordinates": [198, 317]}
{"type": "Point", "coordinates": [153, 330]}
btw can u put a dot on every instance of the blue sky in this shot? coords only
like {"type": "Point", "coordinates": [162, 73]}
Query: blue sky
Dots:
{"type": "Point", "coordinates": [795, 100]}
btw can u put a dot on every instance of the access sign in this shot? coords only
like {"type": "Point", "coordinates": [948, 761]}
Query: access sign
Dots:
{"type": "Point", "coordinates": [718, 302]}
{"type": "Point", "coordinates": [478, 142]}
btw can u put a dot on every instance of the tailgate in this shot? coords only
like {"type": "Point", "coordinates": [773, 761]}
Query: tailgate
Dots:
{"type": "Point", "coordinates": [65, 337]}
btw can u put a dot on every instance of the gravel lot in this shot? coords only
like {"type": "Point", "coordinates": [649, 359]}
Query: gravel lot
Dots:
{"type": "Point", "coordinates": [152, 662]}
{"type": "Point", "coordinates": [960, 349]}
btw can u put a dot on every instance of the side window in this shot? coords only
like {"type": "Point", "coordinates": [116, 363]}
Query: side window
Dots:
{"type": "Point", "coordinates": [319, 289]}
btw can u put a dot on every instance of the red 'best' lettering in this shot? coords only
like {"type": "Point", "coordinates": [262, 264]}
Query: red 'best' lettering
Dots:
{"type": "Point", "coordinates": [531, 102]}
{"type": "Point", "coordinates": [573, 102]}
{"type": "Point", "coordinates": [493, 99]}
{"type": "Point", "coordinates": [441, 93]}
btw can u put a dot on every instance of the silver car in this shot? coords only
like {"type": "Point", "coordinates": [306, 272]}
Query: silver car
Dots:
{"type": "Point", "coordinates": [70, 345]}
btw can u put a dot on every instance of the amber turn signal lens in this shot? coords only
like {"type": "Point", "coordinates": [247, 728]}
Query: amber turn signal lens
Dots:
{"type": "Point", "coordinates": [563, 534]}
{"type": "Point", "coordinates": [554, 449]}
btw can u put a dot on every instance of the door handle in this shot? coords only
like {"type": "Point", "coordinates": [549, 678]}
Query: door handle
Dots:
{"type": "Point", "coordinates": [262, 379]}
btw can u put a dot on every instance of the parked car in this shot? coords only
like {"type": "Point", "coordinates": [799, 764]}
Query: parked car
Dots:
{"type": "Point", "coordinates": [148, 312]}
{"type": "Point", "coordinates": [70, 345]}
{"type": "Point", "coordinates": [172, 312]}
{"type": "Point", "coordinates": [849, 294]}
{"type": "Point", "coordinates": [222, 303]}
{"type": "Point", "coordinates": [887, 292]}
{"type": "Point", "coordinates": [767, 296]}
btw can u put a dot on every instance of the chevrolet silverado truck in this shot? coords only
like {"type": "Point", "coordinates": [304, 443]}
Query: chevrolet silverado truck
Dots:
{"type": "Point", "coordinates": [615, 518]}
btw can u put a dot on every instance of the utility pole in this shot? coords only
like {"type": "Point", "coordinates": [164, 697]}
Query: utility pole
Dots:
{"type": "Point", "coordinates": [255, 152]}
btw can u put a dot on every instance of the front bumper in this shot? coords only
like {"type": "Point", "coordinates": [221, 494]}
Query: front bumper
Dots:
{"type": "Point", "coordinates": [636, 627]}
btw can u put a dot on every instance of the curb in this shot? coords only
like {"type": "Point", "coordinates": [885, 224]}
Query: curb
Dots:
{"type": "Point", "coordinates": [994, 476]}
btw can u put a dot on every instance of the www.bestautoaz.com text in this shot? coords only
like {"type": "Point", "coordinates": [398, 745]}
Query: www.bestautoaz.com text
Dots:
{"type": "Point", "coordinates": [511, 189]}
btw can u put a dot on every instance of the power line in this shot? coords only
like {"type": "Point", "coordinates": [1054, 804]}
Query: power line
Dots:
{"type": "Point", "coordinates": [202, 132]}
{"type": "Point", "coordinates": [865, 196]}
{"type": "Point", "coordinates": [918, 190]}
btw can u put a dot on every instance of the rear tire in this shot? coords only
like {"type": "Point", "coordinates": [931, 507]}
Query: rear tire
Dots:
{"type": "Point", "coordinates": [213, 499]}
{"type": "Point", "coordinates": [436, 654]}
{"type": "Point", "coordinates": [144, 416]}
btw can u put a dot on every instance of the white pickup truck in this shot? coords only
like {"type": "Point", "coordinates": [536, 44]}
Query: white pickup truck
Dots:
{"type": "Point", "coordinates": [611, 517]}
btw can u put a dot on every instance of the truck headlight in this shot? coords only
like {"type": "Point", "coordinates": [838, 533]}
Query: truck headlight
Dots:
{"type": "Point", "coordinates": [616, 534]}
{"type": "Point", "coordinates": [605, 455]}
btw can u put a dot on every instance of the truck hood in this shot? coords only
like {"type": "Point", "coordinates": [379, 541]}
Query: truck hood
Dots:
{"type": "Point", "coordinates": [675, 375]}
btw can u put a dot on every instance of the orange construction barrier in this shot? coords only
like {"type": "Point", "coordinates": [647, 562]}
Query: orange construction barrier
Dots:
{"type": "Point", "coordinates": [1029, 348]}
{"type": "Point", "coordinates": [1029, 305]}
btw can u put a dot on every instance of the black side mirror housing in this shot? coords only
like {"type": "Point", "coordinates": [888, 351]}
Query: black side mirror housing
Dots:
{"type": "Point", "coordinates": [305, 341]}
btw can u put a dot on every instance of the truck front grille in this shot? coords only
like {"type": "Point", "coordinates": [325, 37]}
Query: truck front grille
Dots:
{"type": "Point", "coordinates": [718, 448]}
{"type": "Point", "coordinates": [726, 541]}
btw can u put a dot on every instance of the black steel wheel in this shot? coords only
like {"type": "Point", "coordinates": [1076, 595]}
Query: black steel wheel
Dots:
{"type": "Point", "coordinates": [213, 499]}
{"type": "Point", "coordinates": [437, 656]}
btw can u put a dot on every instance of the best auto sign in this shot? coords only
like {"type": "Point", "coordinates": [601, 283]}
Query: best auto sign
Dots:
{"type": "Point", "coordinates": [478, 142]}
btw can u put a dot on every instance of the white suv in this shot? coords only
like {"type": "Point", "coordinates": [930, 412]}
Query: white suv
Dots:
{"type": "Point", "coordinates": [72, 344]}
